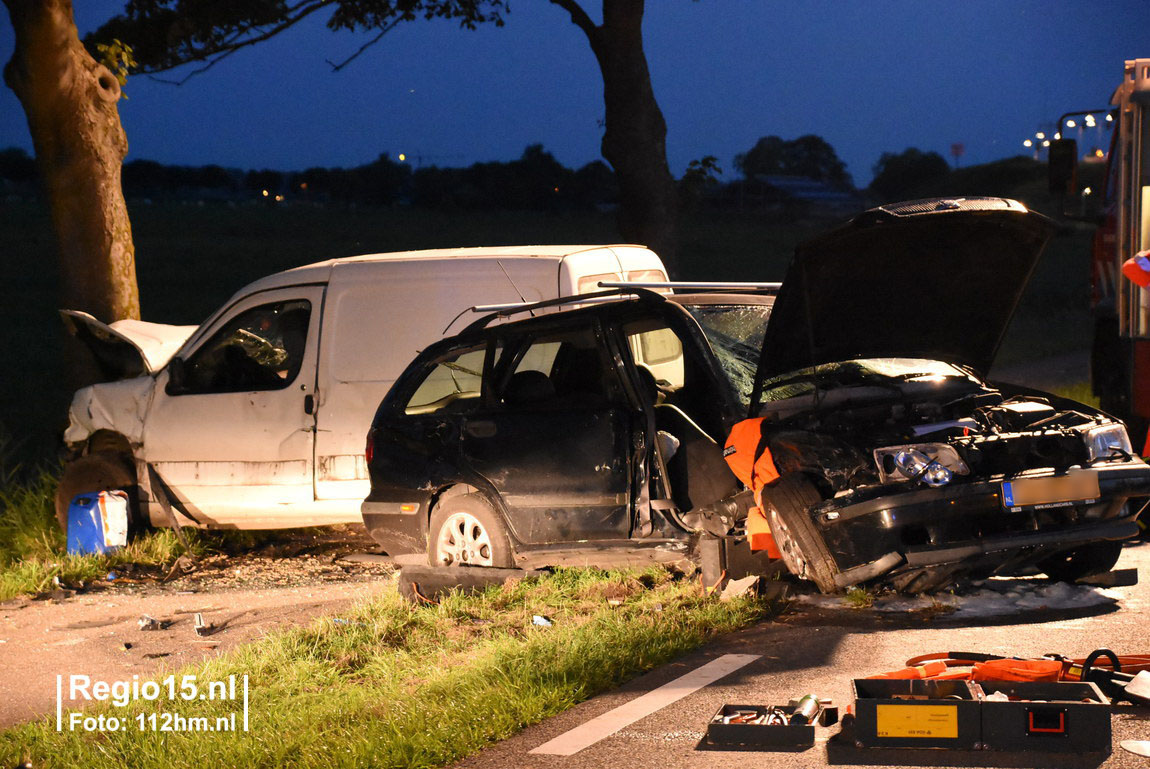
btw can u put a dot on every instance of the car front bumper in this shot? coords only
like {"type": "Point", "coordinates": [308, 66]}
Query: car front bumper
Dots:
{"type": "Point", "coordinates": [966, 527]}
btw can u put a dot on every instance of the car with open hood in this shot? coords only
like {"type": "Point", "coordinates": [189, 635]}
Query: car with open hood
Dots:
{"type": "Point", "coordinates": [601, 429]}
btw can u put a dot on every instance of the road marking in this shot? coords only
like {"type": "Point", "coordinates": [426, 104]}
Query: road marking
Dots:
{"type": "Point", "coordinates": [612, 721]}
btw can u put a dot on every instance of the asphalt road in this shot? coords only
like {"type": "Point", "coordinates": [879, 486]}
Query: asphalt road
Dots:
{"type": "Point", "coordinates": [820, 651]}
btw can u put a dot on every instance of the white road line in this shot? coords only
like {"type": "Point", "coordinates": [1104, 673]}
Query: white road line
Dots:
{"type": "Point", "coordinates": [612, 721]}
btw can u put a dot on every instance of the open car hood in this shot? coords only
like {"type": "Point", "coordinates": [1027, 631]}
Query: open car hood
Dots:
{"type": "Point", "coordinates": [127, 348]}
{"type": "Point", "coordinates": [937, 279]}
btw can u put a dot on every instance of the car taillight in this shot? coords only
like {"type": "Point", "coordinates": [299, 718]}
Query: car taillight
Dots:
{"type": "Point", "coordinates": [369, 451]}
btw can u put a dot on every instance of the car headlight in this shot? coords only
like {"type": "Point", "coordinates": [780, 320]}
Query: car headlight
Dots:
{"type": "Point", "coordinates": [935, 464]}
{"type": "Point", "coordinates": [1108, 442]}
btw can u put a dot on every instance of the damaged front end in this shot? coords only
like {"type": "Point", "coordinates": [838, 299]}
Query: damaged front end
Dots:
{"type": "Point", "coordinates": [929, 475]}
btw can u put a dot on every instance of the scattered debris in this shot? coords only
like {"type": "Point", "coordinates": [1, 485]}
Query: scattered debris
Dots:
{"type": "Point", "coordinates": [111, 576]}
{"type": "Point", "coordinates": [1115, 578]}
{"type": "Point", "coordinates": [157, 655]}
{"type": "Point", "coordinates": [739, 588]}
{"type": "Point", "coordinates": [541, 621]}
{"type": "Point", "coordinates": [203, 628]}
{"type": "Point", "coordinates": [126, 646]}
{"type": "Point", "coordinates": [1137, 747]}
{"type": "Point", "coordinates": [182, 566]}
{"type": "Point", "coordinates": [147, 622]}
{"type": "Point", "coordinates": [372, 558]}
{"type": "Point", "coordinates": [425, 584]}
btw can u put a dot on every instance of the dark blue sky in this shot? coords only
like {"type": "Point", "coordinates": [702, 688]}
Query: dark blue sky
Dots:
{"type": "Point", "coordinates": [869, 77]}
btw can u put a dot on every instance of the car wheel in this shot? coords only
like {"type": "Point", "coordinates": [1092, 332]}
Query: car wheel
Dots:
{"type": "Point", "coordinates": [1095, 558]}
{"type": "Point", "coordinates": [466, 531]}
{"type": "Point", "coordinates": [101, 471]}
{"type": "Point", "coordinates": [802, 547]}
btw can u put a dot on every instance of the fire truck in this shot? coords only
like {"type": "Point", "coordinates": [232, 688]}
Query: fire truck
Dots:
{"type": "Point", "coordinates": [1120, 355]}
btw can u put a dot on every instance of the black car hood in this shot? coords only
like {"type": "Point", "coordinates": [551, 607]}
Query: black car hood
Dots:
{"type": "Point", "coordinates": [936, 279]}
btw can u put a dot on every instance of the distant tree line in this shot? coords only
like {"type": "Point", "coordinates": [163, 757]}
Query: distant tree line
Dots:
{"type": "Point", "coordinates": [535, 181]}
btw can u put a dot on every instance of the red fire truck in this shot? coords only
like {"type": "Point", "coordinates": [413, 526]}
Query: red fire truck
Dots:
{"type": "Point", "coordinates": [1120, 358]}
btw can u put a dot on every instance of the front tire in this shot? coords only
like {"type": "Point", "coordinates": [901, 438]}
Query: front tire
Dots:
{"type": "Point", "coordinates": [802, 546]}
{"type": "Point", "coordinates": [99, 471]}
{"type": "Point", "coordinates": [466, 531]}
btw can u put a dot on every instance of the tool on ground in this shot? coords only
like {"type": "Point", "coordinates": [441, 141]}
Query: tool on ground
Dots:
{"type": "Point", "coordinates": [807, 710]}
{"type": "Point", "coordinates": [1122, 678]}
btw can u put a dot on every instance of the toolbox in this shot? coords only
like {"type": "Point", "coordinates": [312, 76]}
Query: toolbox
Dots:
{"type": "Point", "coordinates": [915, 713]}
{"type": "Point", "coordinates": [723, 734]}
{"type": "Point", "coordinates": [1045, 716]}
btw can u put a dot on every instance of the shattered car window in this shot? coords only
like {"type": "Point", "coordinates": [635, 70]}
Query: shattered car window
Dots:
{"type": "Point", "coordinates": [735, 332]}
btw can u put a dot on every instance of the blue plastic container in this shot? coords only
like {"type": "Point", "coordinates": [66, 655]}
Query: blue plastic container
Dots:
{"type": "Point", "coordinates": [97, 522]}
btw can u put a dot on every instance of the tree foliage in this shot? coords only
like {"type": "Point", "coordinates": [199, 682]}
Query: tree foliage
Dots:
{"type": "Point", "coordinates": [895, 175]}
{"type": "Point", "coordinates": [808, 155]}
{"type": "Point", "coordinates": [164, 34]}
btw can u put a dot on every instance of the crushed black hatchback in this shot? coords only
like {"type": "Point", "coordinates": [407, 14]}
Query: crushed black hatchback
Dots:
{"type": "Point", "coordinates": [589, 432]}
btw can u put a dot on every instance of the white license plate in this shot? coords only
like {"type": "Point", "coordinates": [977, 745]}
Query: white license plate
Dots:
{"type": "Point", "coordinates": [1056, 491]}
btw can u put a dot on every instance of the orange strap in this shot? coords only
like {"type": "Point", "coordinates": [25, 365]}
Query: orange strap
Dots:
{"type": "Point", "coordinates": [759, 533]}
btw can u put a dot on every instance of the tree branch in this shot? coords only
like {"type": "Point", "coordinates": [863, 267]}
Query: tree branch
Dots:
{"type": "Point", "coordinates": [579, 17]}
{"type": "Point", "coordinates": [214, 56]}
{"type": "Point", "coordinates": [337, 67]}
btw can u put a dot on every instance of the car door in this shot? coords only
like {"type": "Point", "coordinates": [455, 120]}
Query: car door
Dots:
{"type": "Point", "coordinates": [230, 429]}
{"type": "Point", "coordinates": [557, 438]}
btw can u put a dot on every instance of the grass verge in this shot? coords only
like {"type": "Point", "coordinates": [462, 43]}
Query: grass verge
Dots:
{"type": "Point", "coordinates": [395, 685]}
{"type": "Point", "coordinates": [32, 544]}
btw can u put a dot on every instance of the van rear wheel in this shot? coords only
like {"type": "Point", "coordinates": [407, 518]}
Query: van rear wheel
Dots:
{"type": "Point", "coordinates": [466, 531]}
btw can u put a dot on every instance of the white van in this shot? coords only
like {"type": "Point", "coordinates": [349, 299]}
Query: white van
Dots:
{"type": "Point", "coordinates": [257, 418]}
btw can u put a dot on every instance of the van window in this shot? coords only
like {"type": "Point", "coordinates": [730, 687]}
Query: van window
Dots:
{"type": "Point", "coordinates": [453, 383]}
{"type": "Point", "coordinates": [260, 349]}
{"type": "Point", "coordinates": [656, 346]}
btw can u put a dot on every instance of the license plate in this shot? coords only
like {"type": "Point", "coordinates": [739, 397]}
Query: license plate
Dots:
{"type": "Point", "coordinates": [1057, 491]}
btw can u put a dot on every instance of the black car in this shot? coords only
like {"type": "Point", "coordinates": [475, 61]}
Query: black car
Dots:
{"type": "Point", "coordinates": [593, 431]}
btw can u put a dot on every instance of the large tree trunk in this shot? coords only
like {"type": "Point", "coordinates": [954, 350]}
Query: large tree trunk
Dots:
{"type": "Point", "coordinates": [70, 102]}
{"type": "Point", "coordinates": [635, 135]}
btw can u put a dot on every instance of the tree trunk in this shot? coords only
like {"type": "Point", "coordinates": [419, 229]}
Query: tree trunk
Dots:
{"type": "Point", "coordinates": [70, 101]}
{"type": "Point", "coordinates": [635, 135]}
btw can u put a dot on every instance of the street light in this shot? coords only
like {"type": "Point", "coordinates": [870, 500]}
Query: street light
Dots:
{"type": "Point", "coordinates": [1028, 143]}
{"type": "Point", "coordinates": [1070, 124]}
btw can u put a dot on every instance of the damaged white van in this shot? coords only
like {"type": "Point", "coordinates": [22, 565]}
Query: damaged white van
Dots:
{"type": "Point", "coordinates": [256, 418]}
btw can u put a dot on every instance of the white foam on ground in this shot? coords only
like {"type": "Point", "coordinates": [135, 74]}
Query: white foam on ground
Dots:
{"type": "Point", "coordinates": [1003, 597]}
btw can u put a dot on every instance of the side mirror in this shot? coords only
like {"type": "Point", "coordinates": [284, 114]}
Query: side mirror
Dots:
{"type": "Point", "coordinates": [1062, 167]}
{"type": "Point", "coordinates": [177, 376]}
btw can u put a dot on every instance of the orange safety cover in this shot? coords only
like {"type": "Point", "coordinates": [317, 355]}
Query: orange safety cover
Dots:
{"type": "Point", "coordinates": [759, 533]}
{"type": "Point", "coordinates": [740, 449]}
{"type": "Point", "coordinates": [1018, 670]}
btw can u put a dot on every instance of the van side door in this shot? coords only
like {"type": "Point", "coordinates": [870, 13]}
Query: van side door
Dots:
{"type": "Point", "coordinates": [230, 429]}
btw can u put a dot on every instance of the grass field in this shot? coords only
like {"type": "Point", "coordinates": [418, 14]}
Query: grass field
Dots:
{"type": "Point", "coordinates": [190, 258]}
{"type": "Point", "coordinates": [395, 685]}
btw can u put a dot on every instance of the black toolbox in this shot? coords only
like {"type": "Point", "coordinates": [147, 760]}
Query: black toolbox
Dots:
{"type": "Point", "coordinates": [905, 713]}
{"type": "Point", "coordinates": [1065, 717]}
{"type": "Point", "coordinates": [736, 736]}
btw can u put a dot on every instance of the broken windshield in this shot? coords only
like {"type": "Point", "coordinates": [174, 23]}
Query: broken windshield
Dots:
{"type": "Point", "coordinates": [735, 332]}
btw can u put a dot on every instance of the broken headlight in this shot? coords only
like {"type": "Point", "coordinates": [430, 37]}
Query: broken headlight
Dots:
{"type": "Point", "coordinates": [935, 464]}
{"type": "Point", "coordinates": [1108, 442]}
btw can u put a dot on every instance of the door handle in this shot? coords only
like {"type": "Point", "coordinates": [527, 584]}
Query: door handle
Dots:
{"type": "Point", "coordinates": [309, 404]}
{"type": "Point", "coordinates": [480, 428]}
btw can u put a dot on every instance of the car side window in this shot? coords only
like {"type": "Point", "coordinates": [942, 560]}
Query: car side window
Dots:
{"type": "Point", "coordinates": [659, 349]}
{"type": "Point", "coordinates": [564, 368]}
{"type": "Point", "coordinates": [454, 383]}
{"type": "Point", "coordinates": [260, 349]}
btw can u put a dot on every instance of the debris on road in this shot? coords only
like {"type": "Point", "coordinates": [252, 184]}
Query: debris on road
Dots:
{"type": "Point", "coordinates": [739, 588]}
{"type": "Point", "coordinates": [541, 621]}
{"type": "Point", "coordinates": [1116, 578]}
{"type": "Point", "coordinates": [148, 622]}
{"type": "Point", "coordinates": [203, 628]}
{"type": "Point", "coordinates": [420, 584]}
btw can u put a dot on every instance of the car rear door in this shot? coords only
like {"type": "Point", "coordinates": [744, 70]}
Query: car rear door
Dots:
{"type": "Point", "coordinates": [556, 442]}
